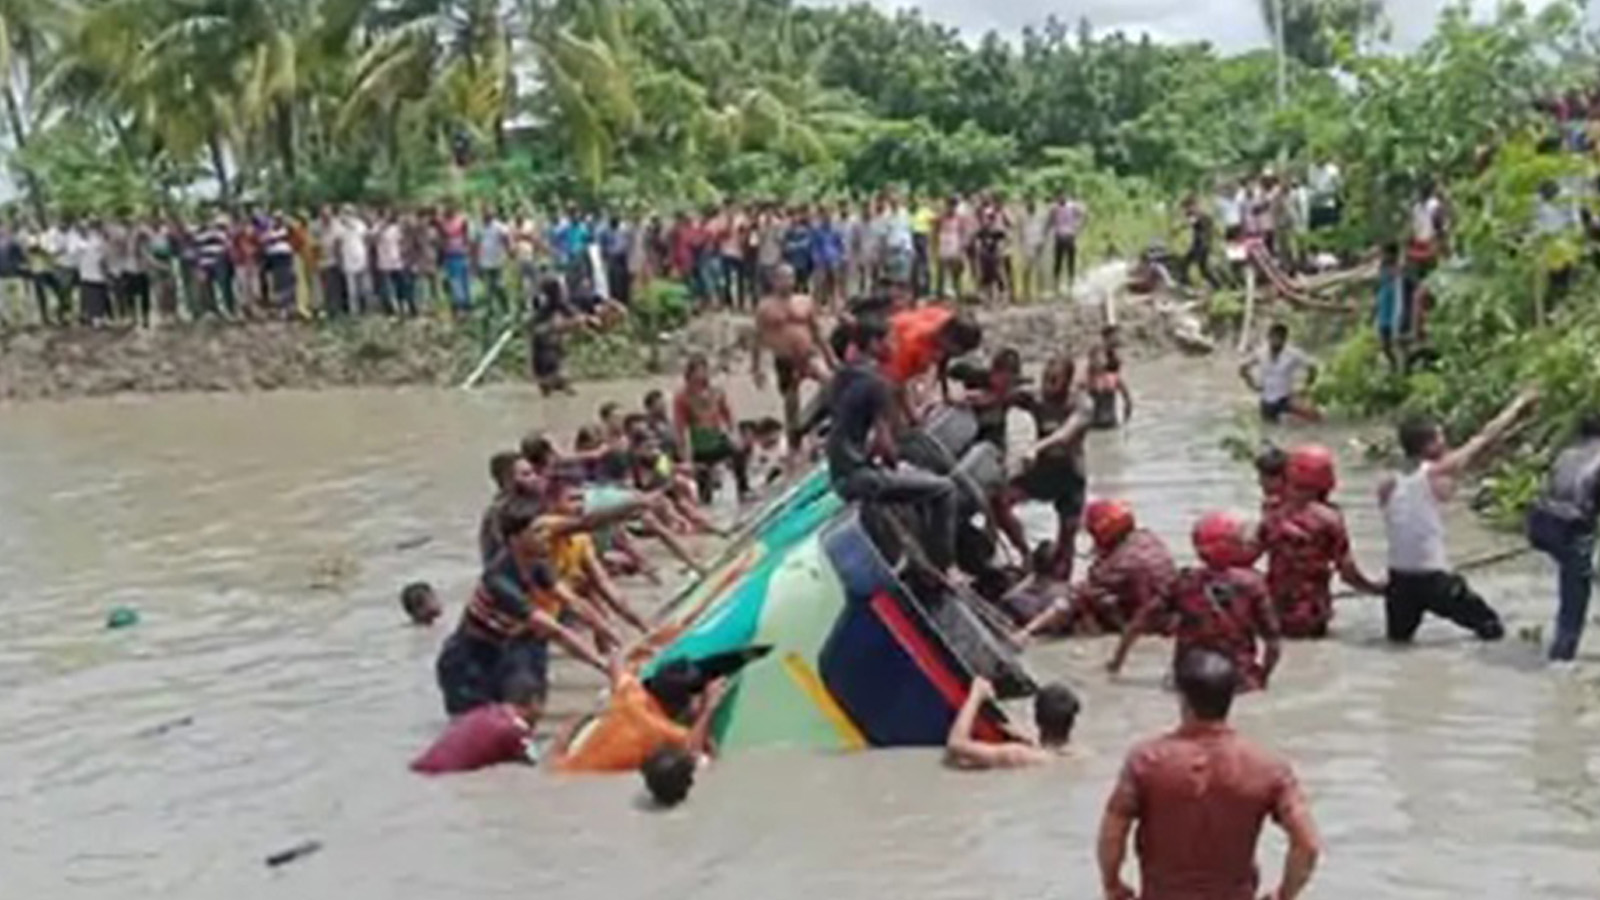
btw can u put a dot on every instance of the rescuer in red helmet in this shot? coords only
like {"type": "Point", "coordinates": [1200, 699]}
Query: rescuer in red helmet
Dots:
{"type": "Point", "coordinates": [1305, 540]}
{"type": "Point", "coordinates": [1132, 568]}
{"type": "Point", "coordinates": [1222, 605]}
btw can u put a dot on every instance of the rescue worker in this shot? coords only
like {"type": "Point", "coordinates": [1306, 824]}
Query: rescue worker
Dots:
{"type": "Point", "coordinates": [1306, 541]}
{"type": "Point", "coordinates": [1221, 606]}
{"type": "Point", "coordinates": [1132, 569]}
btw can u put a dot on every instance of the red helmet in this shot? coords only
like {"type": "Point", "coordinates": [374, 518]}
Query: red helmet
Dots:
{"type": "Point", "coordinates": [1312, 469]}
{"type": "Point", "coordinates": [1225, 541]}
{"type": "Point", "coordinates": [1108, 522]}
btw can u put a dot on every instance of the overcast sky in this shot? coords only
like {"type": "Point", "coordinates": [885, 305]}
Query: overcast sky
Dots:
{"type": "Point", "coordinates": [1230, 24]}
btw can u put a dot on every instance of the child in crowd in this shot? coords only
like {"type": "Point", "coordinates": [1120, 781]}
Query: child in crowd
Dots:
{"type": "Point", "coordinates": [764, 438]}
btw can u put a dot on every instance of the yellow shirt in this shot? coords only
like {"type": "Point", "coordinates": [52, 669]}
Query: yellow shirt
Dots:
{"type": "Point", "coordinates": [569, 552]}
{"type": "Point", "coordinates": [922, 220]}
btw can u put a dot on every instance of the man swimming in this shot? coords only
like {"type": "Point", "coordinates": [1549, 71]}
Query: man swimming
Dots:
{"type": "Point", "coordinates": [1055, 711]}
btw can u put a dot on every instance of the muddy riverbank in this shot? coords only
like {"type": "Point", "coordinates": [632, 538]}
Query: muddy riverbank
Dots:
{"type": "Point", "coordinates": [262, 356]}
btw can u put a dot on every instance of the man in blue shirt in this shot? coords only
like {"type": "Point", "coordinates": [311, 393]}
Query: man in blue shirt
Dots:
{"type": "Point", "coordinates": [827, 256]}
{"type": "Point", "coordinates": [797, 249]}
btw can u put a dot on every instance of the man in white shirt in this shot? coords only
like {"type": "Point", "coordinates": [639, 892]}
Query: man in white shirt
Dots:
{"type": "Point", "coordinates": [1427, 229]}
{"type": "Point", "coordinates": [1035, 235]}
{"type": "Point", "coordinates": [494, 247]}
{"type": "Point", "coordinates": [94, 294]}
{"type": "Point", "coordinates": [352, 232]}
{"type": "Point", "coordinates": [1067, 219]}
{"type": "Point", "coordinates": [1275, 375]}
{"type": "Point", "coordinates": [394, 278]}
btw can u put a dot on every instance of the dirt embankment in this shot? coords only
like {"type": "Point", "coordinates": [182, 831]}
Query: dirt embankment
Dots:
{"type": "Point", "coordinates": [79, 362]}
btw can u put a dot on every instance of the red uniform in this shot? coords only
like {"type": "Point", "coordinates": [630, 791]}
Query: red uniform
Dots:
{"type": "Point", "coordinates": [1304, 545]}
{"type": "Point", "coordinates": [1137, 572]}
{"type": "Point", "coordinates": [1227, 611]}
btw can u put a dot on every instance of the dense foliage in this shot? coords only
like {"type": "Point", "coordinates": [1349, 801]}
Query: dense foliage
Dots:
{"type": "Point", "coordinates": [1468, 110]}
{"type": "Point", "coordinates": [674, 100]}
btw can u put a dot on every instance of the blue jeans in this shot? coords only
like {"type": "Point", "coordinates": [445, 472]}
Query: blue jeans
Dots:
{"type": "Point", "coordinates": [458, 279]}
{"type": "Point", "coordinates": [1571, 545]}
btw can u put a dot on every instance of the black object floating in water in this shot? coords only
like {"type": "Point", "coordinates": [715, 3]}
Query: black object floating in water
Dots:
{"type": "Point", "coordinates": [298, 851]}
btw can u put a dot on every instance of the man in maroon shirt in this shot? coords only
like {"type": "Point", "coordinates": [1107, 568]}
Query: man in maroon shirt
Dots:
{"type": "Point", "coordinates": [1199, 796]}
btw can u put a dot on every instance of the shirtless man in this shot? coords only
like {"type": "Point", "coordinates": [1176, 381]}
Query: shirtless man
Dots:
{"type": "Point", "coordinates": [787, 325]}
{"type": "Point", "coordinates": [1055, 711]}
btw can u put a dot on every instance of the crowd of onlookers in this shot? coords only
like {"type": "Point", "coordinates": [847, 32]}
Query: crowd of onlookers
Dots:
{"type": "Point", "coordinates": [403, 261]}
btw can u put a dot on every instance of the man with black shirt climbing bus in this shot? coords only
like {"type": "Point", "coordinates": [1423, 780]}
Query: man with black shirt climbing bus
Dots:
{"type": "Point", "coordinates": [1420, 578]}
{"type": "Point", "coordinates": [861, 452]}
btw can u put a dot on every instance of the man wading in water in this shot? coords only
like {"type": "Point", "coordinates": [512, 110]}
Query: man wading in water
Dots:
{"type": "Point", "coordinates": [1199, 796]}
{"type": "Point", "coordinates": [788, 326]}
{"type": "Point", "coordinates": [1053, 470]}
{"type": "Point", "coordinates": [1420, 578]}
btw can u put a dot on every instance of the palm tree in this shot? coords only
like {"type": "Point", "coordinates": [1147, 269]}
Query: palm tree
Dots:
{"type": "Point", "coordinates": [25, 30]}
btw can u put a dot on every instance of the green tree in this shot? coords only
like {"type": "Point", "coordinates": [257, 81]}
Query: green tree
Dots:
{"type": "Point", "coordinates": [1313, 30]}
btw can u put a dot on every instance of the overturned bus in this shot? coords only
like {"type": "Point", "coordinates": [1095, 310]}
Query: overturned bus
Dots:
{"type": "Point", "coordinates": [866, 651]}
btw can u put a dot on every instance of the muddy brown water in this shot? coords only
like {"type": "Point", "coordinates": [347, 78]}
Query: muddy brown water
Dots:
{"type": "Point", "coordinates": [1449, 770]}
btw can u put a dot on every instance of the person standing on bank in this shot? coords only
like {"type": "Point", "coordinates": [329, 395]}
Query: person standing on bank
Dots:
{"type": "Point", "coordinates": [1199, 796]}
{"type": "Point", "coordinates": [1420, 578]}
{"type": "Point", "coordinates": [1562, 525]}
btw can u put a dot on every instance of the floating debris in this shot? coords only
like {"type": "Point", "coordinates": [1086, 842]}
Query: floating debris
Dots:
{"type": "Point", "coordinates": [333, 572]}
{"type": "Point", "coordinates": [122, 617]}
{"type": "Point", "coordinates": [164, 727]}
{"type": "Point", "coordinates": [298, 851]}
{"type": "Point", "coordinates": [413, 543]}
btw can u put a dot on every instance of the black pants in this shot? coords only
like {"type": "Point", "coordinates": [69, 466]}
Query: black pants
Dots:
{"type": "Point", "coordinates": [335, 303]}
{"type": "Point", "coordinates": [45, 284]}
{"type": "Point", "coordinates": [1445, 594]}
{"type": "Point", "coordinates": [922, 266]}
{"type": "Point", "coordinates": [619, 280]}
{"type": "Point", "coordinates": [472, 670]}
{"type": "Point", "coordinates": [94, 301]}
{"type": "Point", "coordinates": [715, 453]}
{"type": "Point", "coordinates": [1066, 255]}
{"type": "Point", "coordinates": [134, 289]}
{"type": "Point", "coordinates": [1198, 257]}
{"type": "Point", "coordinates": [935, 495]}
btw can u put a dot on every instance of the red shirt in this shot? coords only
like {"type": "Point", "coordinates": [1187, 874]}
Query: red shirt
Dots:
{"type": "Point", "coordinates": [914, 341]}
{"type": "Point", "coordinates": [1137, 572]}
{"type": "Point", "coordinates": [484, 737]}
{"type": "Point", "coordinates": [1304, 544]}
{"type": "Point", "coordinates": [1199, 796]}
{"type": "Point", "coordinates": [1225, 610]}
